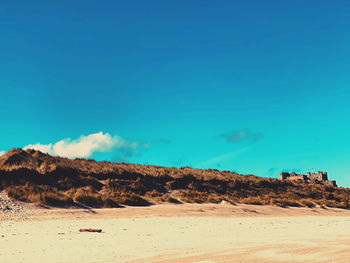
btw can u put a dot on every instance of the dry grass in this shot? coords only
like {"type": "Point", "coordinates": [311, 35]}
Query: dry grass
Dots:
{"type": "Point", "coordinates": [132, 200]}
{"type": "Point", "coordinates": [252, 201]}
{"type": "Point", "coordinates": [306, 203]}
{"type": "Point", "coordinates": [109, 203]}
{"type": "Point", "coordinates": [284, 202]}
{"type": "Point", "coordinates": [43, 195]}
{"type": "Point", "coordinates": [168, 199]}
{"type": "Point", "coordinates": [89, 198]}
{"type": "Point", "coordinates": [36, 177]}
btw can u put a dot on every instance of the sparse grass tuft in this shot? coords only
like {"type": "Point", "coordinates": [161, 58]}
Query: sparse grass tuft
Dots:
{"type": "Point", "coordinates": [42, 195]}
{"type": "Point", "coordinates": [132, 200]}
{"type": "Point", "coordinates": [54, 199]}
{"type": "Point", "coordinates": [252, 201]}
{"type": "Point", "coordinates": [169, 199]}
{"type": "Point", "coordinates": [306, 203]}
{"type": "Point", "coordinates": [109, 203]}
{"type": "Point", "coordinates": [189, 196]}
{"type": "Point", "coordinates": [284, 202]}
{"type": "Point", "coordinates": [88, 198]}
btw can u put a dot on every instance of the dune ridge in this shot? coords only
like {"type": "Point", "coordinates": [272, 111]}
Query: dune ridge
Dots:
{"type": "Point", "coordinates": [33, 176]}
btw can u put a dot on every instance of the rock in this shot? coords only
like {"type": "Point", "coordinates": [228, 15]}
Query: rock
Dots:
{"type": "Point", "coordinates": [12, 210]}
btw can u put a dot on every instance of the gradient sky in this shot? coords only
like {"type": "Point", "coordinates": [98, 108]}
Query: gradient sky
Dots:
{"type": "Point", "coordinates": [249, 86]}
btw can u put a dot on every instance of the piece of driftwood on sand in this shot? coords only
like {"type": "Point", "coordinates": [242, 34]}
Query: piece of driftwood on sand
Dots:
{"type": "Point", "coordinates": [90, 230]}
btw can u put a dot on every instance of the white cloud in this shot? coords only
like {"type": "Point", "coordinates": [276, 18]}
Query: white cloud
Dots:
{"type": "Point", "coordinates": [85, 146]}
{"type": "Point", "coordinates": [243, 135]}
{"type": "Point", "coordinates": [2, 152]}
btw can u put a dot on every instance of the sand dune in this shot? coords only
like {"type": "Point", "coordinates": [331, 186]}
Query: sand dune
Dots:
{"type": "Point", "coordinates": [179, 233]}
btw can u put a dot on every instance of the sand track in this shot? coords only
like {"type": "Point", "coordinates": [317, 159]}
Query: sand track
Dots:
{"type": "Point", "coordinates": [179, 233]}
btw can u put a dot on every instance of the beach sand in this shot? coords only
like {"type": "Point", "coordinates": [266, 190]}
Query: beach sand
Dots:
{"type": "Point", "coordinates": [178, 233]}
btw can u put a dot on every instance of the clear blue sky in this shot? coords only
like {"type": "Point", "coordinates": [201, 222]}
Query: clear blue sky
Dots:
{"type": "Point", "coordinates": [250, 86]}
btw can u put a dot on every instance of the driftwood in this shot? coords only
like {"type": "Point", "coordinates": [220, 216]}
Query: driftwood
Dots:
{"type": "Point", "coordinates": [90, 230]}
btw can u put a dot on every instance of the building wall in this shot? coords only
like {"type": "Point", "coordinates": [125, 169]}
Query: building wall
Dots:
{"type": "Point", "coordinates": [320, 177]}
{"type": "Point", "coordinates": [284, 176]}
{"type": "Point", "coordinates": [297, 177]}
{"type": "Point", "coordinates": [292, 176]}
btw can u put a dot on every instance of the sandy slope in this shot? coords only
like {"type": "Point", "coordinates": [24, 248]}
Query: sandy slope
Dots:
{"type": "Point", "coordinates": [179, 233]}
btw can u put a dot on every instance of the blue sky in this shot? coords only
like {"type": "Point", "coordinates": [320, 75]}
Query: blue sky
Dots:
{"type": "Point", "coordinates": [249, 86]}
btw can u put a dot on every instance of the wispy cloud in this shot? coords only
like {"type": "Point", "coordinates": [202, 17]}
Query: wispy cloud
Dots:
{"type": "Point", "coordinates": [237, 136]}
{"type": "Point", "coordinates": [272, 171]}
{"type": "Point", "coordinates": [2, 152]}
{"type": "Point", "coordinates": [218, 159]}
{"type": "Point", "coordinates": [154, 142]}
{"type": "Point", "coordinates": [123, 155]}
{"type": "Point", "coordinates": [86, 146]}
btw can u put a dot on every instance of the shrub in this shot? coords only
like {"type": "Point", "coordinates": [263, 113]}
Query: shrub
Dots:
{"type": "Point", "coordinates": [307, 203]}
{"type": "Point", "coordinates": [109, 203]}
{"type": "Point", "coordinates": [252, 201]}
{"type": "Point", "coordinates": [334, 204]}
{"type": "Point", "coordinates": [43, 195]}
{"type": "Point", "coordinates": [154, 193]}
{"type": "Point", "coordinates": [54, 199]}
{"type": "Point", "coordinates": [167, 198]}
{"type": "Point", "coordinates": [88, 198]}
{"type": "Point", "coordinates": [215, 198]}
{"type": "Point", "coordinates": [284, 202]}
{"type": "Point", "coordinates": [132, 200]}
{"type": "Point", "coordinates": [15, 193]}
{"type": "Point", "coordinates": [190, 196]}
{"type": "Point", "coordinates": [173, 200]}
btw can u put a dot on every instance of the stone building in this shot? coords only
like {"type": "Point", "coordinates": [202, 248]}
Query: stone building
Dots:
{"type": "Point", "coordinates": [315, 178]}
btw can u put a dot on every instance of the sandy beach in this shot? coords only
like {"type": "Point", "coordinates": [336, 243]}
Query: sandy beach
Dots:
{"type": "Point", "coordinates": [178, 233]}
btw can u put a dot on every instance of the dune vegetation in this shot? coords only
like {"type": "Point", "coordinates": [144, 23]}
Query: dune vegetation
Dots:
{"type": "Point", "coordinates": [32, 176]}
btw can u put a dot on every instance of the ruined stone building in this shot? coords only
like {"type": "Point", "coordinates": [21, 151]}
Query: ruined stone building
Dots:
{"type": "Point", "coordinates": [315, 178]}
